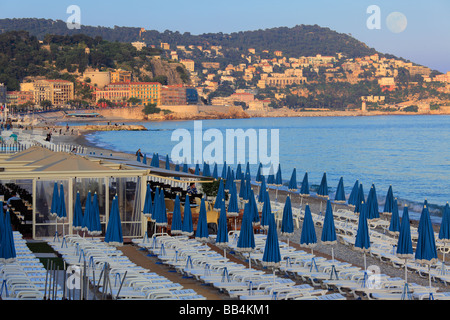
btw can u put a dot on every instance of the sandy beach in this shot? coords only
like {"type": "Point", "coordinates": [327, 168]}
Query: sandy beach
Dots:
{"type": "Point", "coordinates": [342, 252]}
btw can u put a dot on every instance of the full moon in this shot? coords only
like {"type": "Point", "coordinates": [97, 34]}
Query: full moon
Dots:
{"type": "Point", "coordinates": [396, 22]}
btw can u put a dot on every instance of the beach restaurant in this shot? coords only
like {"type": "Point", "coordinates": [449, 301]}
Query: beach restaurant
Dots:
{"type": "Point", "coordinates": [36, 174]}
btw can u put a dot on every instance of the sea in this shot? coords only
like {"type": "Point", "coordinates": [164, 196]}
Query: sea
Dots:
{"type": "Point", "coordinates": [411, 153]}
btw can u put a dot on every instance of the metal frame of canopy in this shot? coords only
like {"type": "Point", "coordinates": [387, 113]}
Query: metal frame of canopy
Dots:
{"type": "Point", "coordinates": [107, 169]}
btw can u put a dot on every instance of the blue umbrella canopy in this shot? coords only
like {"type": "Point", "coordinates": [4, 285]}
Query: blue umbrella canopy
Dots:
{"type": "Point", "coordinates": [246, 240]}
{"type": "Point", "coordinates": [113, 235]}
{"type": "Point", "coordinates": [361, 200]}
{"type": "Point", "coordinates": [86, 225]}
{"type": "Point", "coordinates": [224, 170]}
{"type": "Point", "coordinates": [77, 213]}
{"type": "Point", "coordinates": [293, 181]}
{"type": "Point", "coordinates": [323, 187]}
{"type": "Point", "coordinates": [185, 168]}
{"type": "Point", "coordinates": [266, 212]}
{"type": "Point", "coordinates": [155, 160]}
{"type": "Point", "coordinates": [247, 171]}
{"type": "Point", "coordinates": [262, 190]}
{"type": "Point", "coordinates": [206, 170]}
{"type": "Point", "coordinates": [340, 192]}
{"type": "Point", "coordinates": [271, 256]}
{"type": "Point", "coordinates": [62, 213]}
{"type": "Point", "coordinates": [177, 167]}
{"type": "Point", "coordinates": [161, 217]}
{"type": "Point", "coordinates": [215, 174]}
{"type": "Point", "coordinates": [259, 176]}
{"type": "Point", "coordinates": [278, 177]}
{"type": "Point", "coordinates": [96, 228]}
{"type": "Point", "coordinates": [138, 157]}
{"type": "Point", "coordinates": [372, 203]}
{"type": "Point", "coordinates": [271, 177]}
{"type": "Point", "coordinates": [254, 208]}
{"type": "Point", "coordinates": [222, 227]}
{"type": "Point", "coordinates": [201, 233]}
{"type": "Point", "coordinates": [7, 246]}
{"type": "Point", "coordinates": [55, 201]}
{"type": "Point", "coordinates": [176, 227]}
{"type": "Point", "coordinates": [187, 228]}
{"type": "Point", "coordinates": [394, 226]}
{"type": "Point", "coordinates": [304, 191]}
{"type": "Point", "coordinates": [287, 222]}
{"type": "Point", "coordinates": [243, 190]}
{"type": "Point", "coordinates": [308, 236]}
{"type": "Point", "coordinates": [147, 210]}
{"type": "Point", "coordinates": [167, 162]}
{"type": "Point", "coordinates": [144, 160]}
{"type": "Point", "coordinates": [328, 230]}
{"type": "Point", "coordinates": [444, 231]}
{"type": "Point", "coordinates": [362, 239]}
{"type": "Point", "coordinates": [197, 169]}
{"type": "Point", "coordinates": [404, 244]}
{"type": "Point", "coordinates": [220, 196]}
{"type": "Point", "coordinates": [426, 245]}
{"type": "Point", "coordinates": [239, 174]}
{"type": "Point", "coordinates": [353, 198]}
{"type": "Point", "coordinates": [389, 203]}
{"type": "Point", "coordinates": [233, 206]}
{"type": "Point", "coordinates": [155, 207]}
{"type": "Point", "coordinates": [229, 180]}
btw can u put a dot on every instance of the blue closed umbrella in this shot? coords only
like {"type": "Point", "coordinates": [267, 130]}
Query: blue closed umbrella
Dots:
{"type": "Point", "coordinates": [254, 208]}
{"type": "Point", "coordinates": [353, 198]}
{"type": "Point", "coordinates": [394, 226]}
{"type": "Point", "coordinates": [304, 191]}
{"type": "Point", "coordinates": [361, 200]}
{"type": "Point", "coordinates": [86, 225]}
{"type": "Point", "coordinates": [215, 174]}
{"type": "Point", "coordinates": [138, 157]}
{"type": "Point", "coordinates": [246, 240]}
{"type": "Point", "coordinates": [62, 213]}
{"type": "Point", "coordinates": [144, 160]}
{"type": "Point", "coordinates": [247, 171]}
{"type": "Point", "coordinates": [185, 168]}
{"type": "Point", "coordinates": [155, 207]}
{"type": "Point", "coordinates": [293, 181]}
{"type": "Point", "coordinates": [201, 233]}
{"type": "Point", "coordinates": [239, 173]}
{"type": "Point", "coordinates": [329, 231]}
{"type": "Point", "coordinates": [243, 195]}
{"type": "Point", "coordinates": [229, 180]}
{"type": "Point", "coordinates": [220, 196]}
{"type": "Point", "coordinates": [96, 228]}
{"type": "Point", "coordinates": [55, 201]}
{"type": "Point", "coordinates": [308, 236]}
{"type": "Point", "coordinates": [233, 204]}
{"type": "Point", "coordinates": [404, 243]}
{"type": "Point", "coordinates": [113, 235]}
{"type": "Point", "coordinates": [161, 218]}
{"type": "Point", "coordinates": [148, 205]}
{"type": "Point", "coordinates": [197, 169]}
{"type": "Point", "coordinates": [362, 239]}
{"type": "Point", "coordinates": [224, 170]}
{"type": "Point", "coordinates": [271, 256]}
{"type": "Point", "coordinates": [222, 227]}
{"type": "Point", "coordinates": [262, 190]}
{"type": "Point", "coordinates": [206, 170]}
{"type": "Point", "coordinates": [167, 162]}
{"type": "Point", "coordinates": [287, 221]}
{"type": "Point", "coordinates": [278, 181]}
{"type": "Point", "coordinates": [77, 213]}
{"type": "Point", "coordinates": [176, 227]}
{"type": "Point", "coordinates": [7, 246]}
{"type": "Point", "coordinates": [389, 203]}
{"type": "Point", "coordinates": [426, 252]}
{"type": "Point", "coordinates": [323, 187]}
{"type": "Point", "coordinates": [266, 213]}
{"type": "Point", "coordinates": [258, 177]}
{"type": "Point", "coordinates": [187, 226]}
{"type": "Point", "coordinates": [340, 192]}
{"type": "Point", "coordinates": [444, 230]}
{"type": "Point", "coordinates": [372, 204]}
{"type": "Point", "coordinates": [271, 177]}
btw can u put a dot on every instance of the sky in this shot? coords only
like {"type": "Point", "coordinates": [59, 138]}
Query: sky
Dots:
{"type": "Point", "coordinates": [421, 35]}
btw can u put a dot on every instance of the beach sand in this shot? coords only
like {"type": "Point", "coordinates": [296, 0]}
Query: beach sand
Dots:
{"type": "Point", "coordinates": [342, 252]}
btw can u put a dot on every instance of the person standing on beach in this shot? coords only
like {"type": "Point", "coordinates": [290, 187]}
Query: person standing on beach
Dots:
{"type": "Point", "coordinates": [139, 153]}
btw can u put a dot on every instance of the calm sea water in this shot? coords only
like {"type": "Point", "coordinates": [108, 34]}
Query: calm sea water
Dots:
{"type": "Point", "coordinates": [411, 153]}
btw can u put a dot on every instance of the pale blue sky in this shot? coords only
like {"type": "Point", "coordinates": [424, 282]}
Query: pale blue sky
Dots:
{"type": "Point", "coordinates": [426, 39]}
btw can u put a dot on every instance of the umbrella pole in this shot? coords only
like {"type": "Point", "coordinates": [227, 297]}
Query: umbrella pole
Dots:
{"type": "Point", "coordinates": [406, 273]}
{"type": "Point", "coordinates": [429, 276]}
{"type": "Point", "coordinates": [332, 254]}
{"type": "Point", "coordinates": [365, 264]}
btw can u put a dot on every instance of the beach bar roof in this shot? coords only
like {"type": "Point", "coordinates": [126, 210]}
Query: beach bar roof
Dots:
{"type": "Point", "coordinates": [43, 166]}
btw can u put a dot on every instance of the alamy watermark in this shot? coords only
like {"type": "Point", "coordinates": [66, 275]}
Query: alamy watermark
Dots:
{"type": "Point", "coordinates": [396, 22]}
{"type": "Point", "coordinates": [233, 147]}
{"type": "Point", "coordinates": [74, 20]}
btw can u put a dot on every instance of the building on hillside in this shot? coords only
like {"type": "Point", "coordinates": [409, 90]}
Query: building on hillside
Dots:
{"type": "Point", "coordinates": [387, 83]}
{"type": "Point", "coordinates": [98, 78]}
{"type": "Point", "coordinates": [278, 53]}
{"type": "Point", "coordinates": [188, 64]}
{"type": "Point", "coordinates": [282, 80]}
{"type": "Point", "coordinates": [114, 92]}
{"type": "Point", "coordinates": [2, 93]}
{"type": "Point", "coordinates": [139, 45]}
{"type": "Point", "coordinates": [442, 77]}
{"type": "Point", "coordinates": [119, 76]}
{"type": "Point", "coordinates": [146, 92]}
{"type": "Point", "coordinates": [243, 97]}
{"type": "Point", "coordinates": [165, 46]}
{"type": "Point", "coordinates": [58, 92]}
{"type": "Point", "coordinates": [419, 70]}
{"type": "Point", "coordinates": [17, 98]}
{"type": "Point", "coordinates": [211, 65]}
{"type": "Point", "coordinates": [174, 95]}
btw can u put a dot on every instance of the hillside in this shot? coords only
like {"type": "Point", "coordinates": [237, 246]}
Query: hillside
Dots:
{"type": "Point", "coordinates": [301, 40]}
{"type": "Point", "coordinates": [67, 57]}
